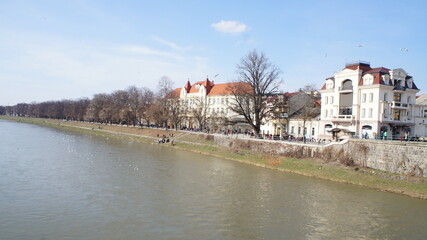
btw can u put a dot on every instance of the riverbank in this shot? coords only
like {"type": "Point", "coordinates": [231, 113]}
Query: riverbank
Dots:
{"type": "Point", "coordinates": [402, 184]}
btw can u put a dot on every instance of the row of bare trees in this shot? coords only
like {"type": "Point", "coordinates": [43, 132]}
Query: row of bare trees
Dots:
{"type": "Point", "coordinates": [128, 106]}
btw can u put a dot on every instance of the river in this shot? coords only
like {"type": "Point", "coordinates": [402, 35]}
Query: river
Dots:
{"type": "Point", "coordinates": [58, 184]}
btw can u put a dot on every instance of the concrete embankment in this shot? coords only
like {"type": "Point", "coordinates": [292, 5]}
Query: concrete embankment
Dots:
{"type": "Point", "coordinates": [348, 162]}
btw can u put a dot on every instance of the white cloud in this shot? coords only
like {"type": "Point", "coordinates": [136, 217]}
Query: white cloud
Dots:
{"type": "Point", "coordinates": [233, 27]}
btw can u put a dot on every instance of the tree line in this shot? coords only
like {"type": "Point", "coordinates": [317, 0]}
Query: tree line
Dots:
{"type": "Point", "coordinates": [128, 106]}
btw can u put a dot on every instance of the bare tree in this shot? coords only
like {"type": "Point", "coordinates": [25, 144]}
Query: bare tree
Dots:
{"type": "Point", "coordinates": [304, 105]}
{"type": "Point", "coordinates": [199, 111]}
{"type": "Point", "coordinates": [161, 110]}
{"type": "Point", "coordinates": [258, 79]}
{"type": "Point", "coordinates": [147, 100]}
{"type": "Point", "coordinates": [135, 103]}
{"type": "Point", "coordinates": [175, 112]}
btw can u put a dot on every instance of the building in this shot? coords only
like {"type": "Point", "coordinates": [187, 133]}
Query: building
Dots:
{"type": "Point", "coordinates": [294, 114]}
{"type": "Point", "coordinates": [368, 102]}
{"type": "Point", "coordinates": [421, 117]}
{"type": "Point", "coordinates": [205, 104]}
{"type": "Point", "coordinates": [277, 123]}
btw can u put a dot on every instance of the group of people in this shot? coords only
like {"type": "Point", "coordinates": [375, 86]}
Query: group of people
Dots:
{"type": "Point", "coordinates": [166, 139]}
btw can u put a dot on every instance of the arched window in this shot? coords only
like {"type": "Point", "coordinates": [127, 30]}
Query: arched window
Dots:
{"type": "Point", "coordinates": [328, 128]}
{"type": "Point", "coordinates": [366, 127]}
{"type": "Point", "coordinates": [347, 85]}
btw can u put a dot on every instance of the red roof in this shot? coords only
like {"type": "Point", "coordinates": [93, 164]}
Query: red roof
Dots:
{"type": "Point", "coordinates": [362, 66]}
{"type": "Point", "coordinates": [211, 88]}
{"type": "Point", "coordinates": [175, 93]}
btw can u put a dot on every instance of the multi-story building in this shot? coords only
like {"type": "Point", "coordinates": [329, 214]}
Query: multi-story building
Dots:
{"type": "Point", "coordinates": [209, 101]}
{"type": "Point", "coordinates": [421, 117]}
{"type": "Point", "coordinates": [368, 102]}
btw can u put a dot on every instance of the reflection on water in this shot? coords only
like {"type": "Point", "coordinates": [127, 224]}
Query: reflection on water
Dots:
{"type": "Point", "coordinates": [61, 185]}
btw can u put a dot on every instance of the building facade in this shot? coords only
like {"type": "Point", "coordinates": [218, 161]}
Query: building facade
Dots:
{"type": "Point", "coordinates": [208, 101]}
{"type": "Point", "coordinates": [369, 102]}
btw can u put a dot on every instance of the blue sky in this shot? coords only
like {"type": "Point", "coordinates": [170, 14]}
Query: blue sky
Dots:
{"type": "Point", "coordinates": [53, 50]}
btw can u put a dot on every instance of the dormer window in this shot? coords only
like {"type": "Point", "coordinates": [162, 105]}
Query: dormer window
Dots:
{"type": "Point", "coordinates": [386, 79]}
{"type": "Point", "coordinates": [410, 83]}
{"type": "Point", "coordinates": [368, 79]}
{"type": "Point", "coordinates": [329, 84]}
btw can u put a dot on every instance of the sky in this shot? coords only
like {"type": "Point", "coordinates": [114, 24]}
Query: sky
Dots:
{"type": "Point", "coordinates": [70, 49]}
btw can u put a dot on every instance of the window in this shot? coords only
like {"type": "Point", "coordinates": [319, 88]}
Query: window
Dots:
{"type": "Point", "coordinates": [385, 113]}
{"type": "Point", "coordinates": [363, 112]}
{"type": "Point", "coordinates": [292, 129]}
{"type": "Point", "coordinates": [409, 99]}
{"type": "Point", "coordinates": [312, 131]}
{"type": "Point", "coordinates": [332, 99]}
{"type": "Point", "coordinates": [331, 112]}
{"type": "Point", "coordinates": [347, 85]}
{"type": "Point", "coordinates": [385, 96]}
{"type": "Point", "coordinates": [299, 130]}
{"type": "Point", "coordinates": [371, 112]}
{"type": "Point", "coordinates": [396, 115]}
{"type": "Point", "coordinates": [364, 97]}
{"type": "Point", "coordinates": [326, 113]}
{"type": "Point", "coordinates": [397, 97]}
{"type": "Point", "coordinates": [371, 97]}
{"type": "Point", "coordinates": [326, 100]}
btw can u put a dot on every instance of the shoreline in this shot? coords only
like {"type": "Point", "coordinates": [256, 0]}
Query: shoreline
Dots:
{"type": "Point", "coordinates": [415, 187]}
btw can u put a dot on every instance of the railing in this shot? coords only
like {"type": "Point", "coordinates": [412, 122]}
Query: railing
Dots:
{"type": "Point", "coordinates": [344, 117]}
{"type": "Point", "coordinates": [395, 104]}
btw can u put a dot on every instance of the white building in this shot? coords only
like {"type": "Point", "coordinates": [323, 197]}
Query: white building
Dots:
{"type": "Point", "coordinates": [206, 95]}
{"type": "Point", "coordinates": [361, 100]}
{"type": "Point", "coordinates": [421, 117]}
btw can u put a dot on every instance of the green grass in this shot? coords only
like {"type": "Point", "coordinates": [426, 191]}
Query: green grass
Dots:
{"type": "Point", "coordinates": [308, 167]}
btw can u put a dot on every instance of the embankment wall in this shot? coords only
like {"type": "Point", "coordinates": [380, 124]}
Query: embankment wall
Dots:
{"type": "Point", "coordinates": [396, 157]}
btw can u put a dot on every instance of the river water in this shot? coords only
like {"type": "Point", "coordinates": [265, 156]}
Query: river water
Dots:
{"type": "Point", "coordinates": [56, 184]}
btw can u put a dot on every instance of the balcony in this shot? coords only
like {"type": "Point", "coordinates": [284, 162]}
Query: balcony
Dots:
{"type": "Point", "coordinates": [343, 118]}
{"type": "Point", "coordinates": [398, 105]}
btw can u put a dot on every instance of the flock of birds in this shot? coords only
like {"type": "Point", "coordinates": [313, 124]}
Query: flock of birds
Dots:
{"type": "Point", "coordinates": [360, 46]}
{"type": "Point", "coordinates": [401, 49]}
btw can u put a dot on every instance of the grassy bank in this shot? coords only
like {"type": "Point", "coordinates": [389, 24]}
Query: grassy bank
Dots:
{"type": "Point", "coordinates": [407, 185]}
